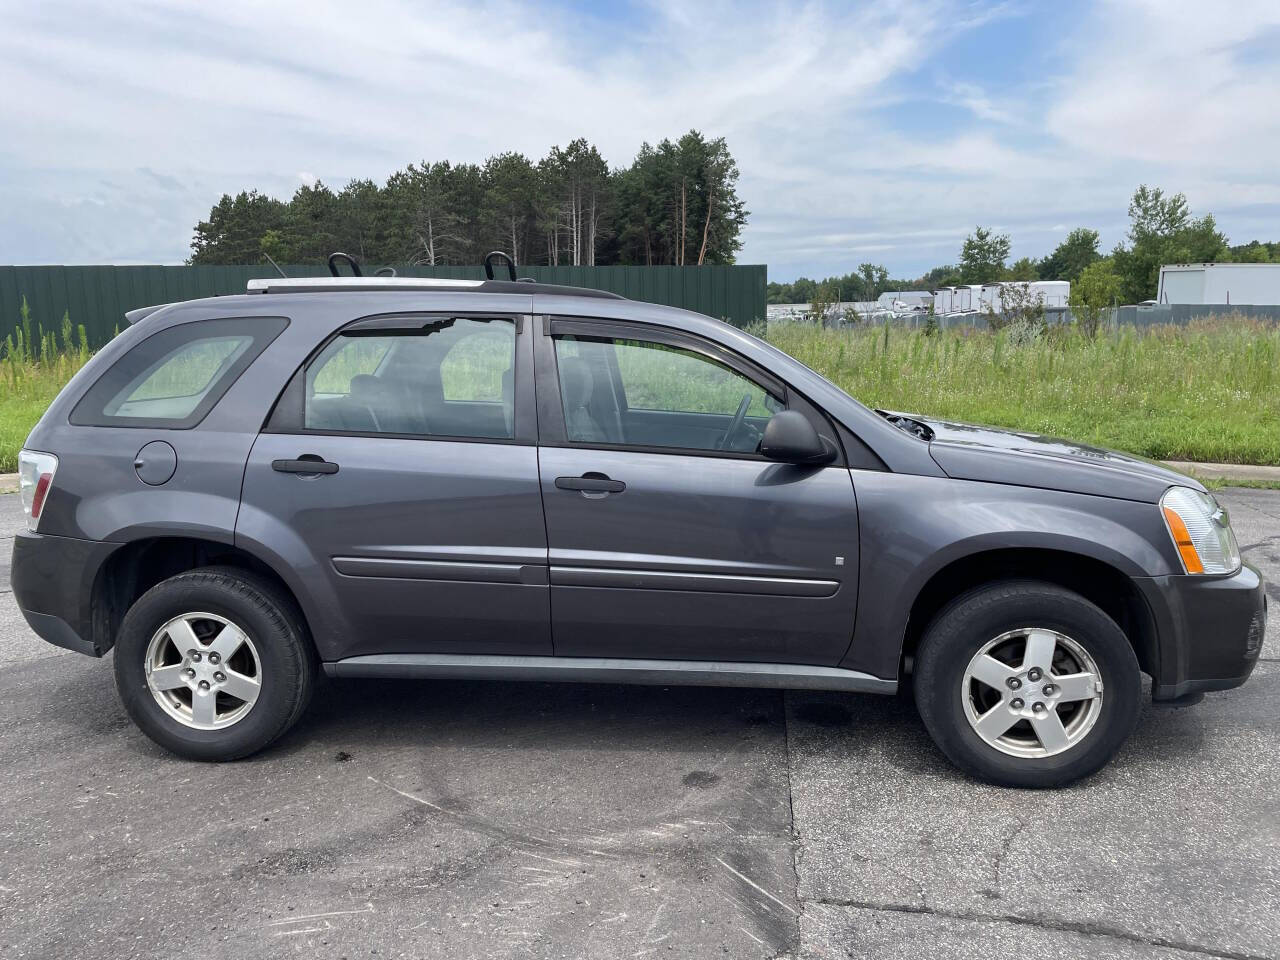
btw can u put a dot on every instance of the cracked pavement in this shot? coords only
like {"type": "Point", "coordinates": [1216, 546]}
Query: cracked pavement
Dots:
{"type": "Point", "coordinates": [457, 819]}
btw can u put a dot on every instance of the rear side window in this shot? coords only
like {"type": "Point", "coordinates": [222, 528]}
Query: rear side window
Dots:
{"type": "Point", "coordinates": [174, 377]}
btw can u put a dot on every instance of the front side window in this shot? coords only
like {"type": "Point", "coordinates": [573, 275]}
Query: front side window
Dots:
{"type": "Point", "coordinates": [447, 378]}
{"type": "Point", "coordinates": [173, 378]}
{"type": "Point", "coordinates": [641, 393]}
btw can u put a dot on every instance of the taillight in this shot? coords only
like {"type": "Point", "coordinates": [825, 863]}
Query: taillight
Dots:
{"type": "Point", "coordinates": [35, 477]}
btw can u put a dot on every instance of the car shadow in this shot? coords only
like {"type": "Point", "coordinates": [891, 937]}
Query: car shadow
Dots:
{"type": "Point", "coordinates": [346, 715]}
{"type": "Point", "coordinates": [514, 715]}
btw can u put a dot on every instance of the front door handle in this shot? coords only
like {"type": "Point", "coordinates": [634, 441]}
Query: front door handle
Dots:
{"type": "Point", "coordinates": [307, 463]}
{"type": "Point", "coordinates": [590, 483]}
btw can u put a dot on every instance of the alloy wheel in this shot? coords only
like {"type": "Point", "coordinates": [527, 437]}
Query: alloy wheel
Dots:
{"type": "Point", "coordinates": [1032, 692]}
{"type": "Point", "coordinates": [203, 671]}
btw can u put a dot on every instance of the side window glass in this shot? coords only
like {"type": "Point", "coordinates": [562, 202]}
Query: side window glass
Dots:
{"type": "Point", "coordinates": [649, 394]}
{"type": "Point", "coordinates": [454, 378]}
{"type": "Point", "coordinates": [475, 368]}
{"type": "Point", "coordinates": [174, 377]}
{"type": "Point", "coordinates": [174, 387]}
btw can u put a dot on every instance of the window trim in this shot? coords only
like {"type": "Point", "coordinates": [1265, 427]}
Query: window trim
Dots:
{"type": "Point", "coordinates": [288, 413]}
{"type": "Point", "coordinates": [88, 410]}
{"type": "Point", "coordinates": [552, 431]}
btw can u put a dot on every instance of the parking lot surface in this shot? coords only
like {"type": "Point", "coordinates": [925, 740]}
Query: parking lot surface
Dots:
{"type": "Point", "coordinates": [460, 819]}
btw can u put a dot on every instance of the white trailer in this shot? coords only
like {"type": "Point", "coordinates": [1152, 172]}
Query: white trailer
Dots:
{"type": "Point", "coordinates": [1241, 283]}
{"type": "Point", "coordinates": [943, 298]}
{"type": "Point", "coordinates": [968, 297]}
{"type": "Point", "coordinates": [1056, 293]}
{"type": "Point", "coordinates": [988, 297]}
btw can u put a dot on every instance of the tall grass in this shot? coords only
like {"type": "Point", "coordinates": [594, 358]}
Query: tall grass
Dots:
{"type": "Point", "coordinates": [1207, 391]}
{"type": "Point", "coordinates": [34, 365]}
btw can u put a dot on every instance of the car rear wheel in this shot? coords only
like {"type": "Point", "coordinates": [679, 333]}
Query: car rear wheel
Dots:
{"type": "Point", "coordinates": [1027, 684]}
{"type": "Point", "coordinates": [214, 664]}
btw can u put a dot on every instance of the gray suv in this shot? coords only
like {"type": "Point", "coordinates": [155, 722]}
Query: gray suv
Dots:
{"type": "Point", "coordinates": [383, 477]}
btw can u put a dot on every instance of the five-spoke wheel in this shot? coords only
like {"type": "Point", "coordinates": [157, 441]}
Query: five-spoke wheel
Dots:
{"type": "Point", "coordinates": [1026, 684]}
{"type": "Point", "coordinates": [203, 670]}
{"type": "Point", "coordinates": [1032, 692]}
{"type": "Point", "coordinates": [215, 663]}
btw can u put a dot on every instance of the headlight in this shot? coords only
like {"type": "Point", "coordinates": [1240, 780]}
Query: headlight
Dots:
{"type": "Point", "coordinates": [1201, 531]}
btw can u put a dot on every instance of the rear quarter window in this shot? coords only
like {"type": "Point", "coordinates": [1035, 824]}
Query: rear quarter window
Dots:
{"type": "Point", "coordinates": [174, 377]}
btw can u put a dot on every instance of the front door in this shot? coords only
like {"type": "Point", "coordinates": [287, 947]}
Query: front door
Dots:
{"type": "Point", "coordinates": [398, 478]}
{"type": "Point", "coordinates": [669, 537]}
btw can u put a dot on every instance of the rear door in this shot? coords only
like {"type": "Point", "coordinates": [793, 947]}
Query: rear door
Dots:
{"type": "Point", "coordinates": [669, 537]}
{"type": "Point", "coordinates": [398, 478]}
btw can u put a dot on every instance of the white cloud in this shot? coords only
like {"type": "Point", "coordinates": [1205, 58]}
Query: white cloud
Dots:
{"type": "Point", "coordinates": [125, 123]}
{"type": "Point", "coordinates": [976, 100]}
{"type": "Point", "coordinates": [1176, 83]}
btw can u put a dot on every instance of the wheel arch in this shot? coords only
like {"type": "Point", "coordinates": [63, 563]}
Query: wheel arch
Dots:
{"type": "Point", "coordinates": [139, 565]}
{"type": "Point", "coordinates": [1098, 581]}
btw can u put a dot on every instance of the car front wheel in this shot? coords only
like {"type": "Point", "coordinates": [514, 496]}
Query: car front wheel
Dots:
{"type": "Point", "coordinates": [214, 664]}
{"type": "Point", "coordinates": [1027, 684]}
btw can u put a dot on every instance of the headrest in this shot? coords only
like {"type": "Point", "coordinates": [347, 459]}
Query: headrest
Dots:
{"type": "Point", "coordinates": [576, 382]}
{"type": "Point", "coordinates": [366, 384]}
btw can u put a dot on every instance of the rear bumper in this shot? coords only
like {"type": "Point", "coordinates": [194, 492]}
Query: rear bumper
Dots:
{"type": "Point", "coordinates": [1210, 630]}
{"type": "Point", "coordinates": [53, 580]}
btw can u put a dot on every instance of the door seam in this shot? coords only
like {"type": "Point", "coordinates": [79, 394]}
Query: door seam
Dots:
{"type": "Point", "coordinates": [534, 330]}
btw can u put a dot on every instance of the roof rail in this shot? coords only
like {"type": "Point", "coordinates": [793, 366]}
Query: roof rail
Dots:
{"type": "Point", "coordinates": [354, 284]}
{"type": "Point", "coordinates": [347, 284]}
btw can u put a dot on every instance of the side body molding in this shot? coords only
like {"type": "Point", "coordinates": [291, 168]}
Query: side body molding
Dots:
{"type": "Point", "coordinates": [612, 670]}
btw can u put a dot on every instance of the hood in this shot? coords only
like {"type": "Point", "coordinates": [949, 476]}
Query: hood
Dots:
{"type": "Point", "coordinates": [994, 455]}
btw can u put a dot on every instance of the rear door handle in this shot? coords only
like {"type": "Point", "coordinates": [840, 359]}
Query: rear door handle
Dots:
{"type": "Point", "coordinates": [591, 483]}
{"type": "Point", "coordinates": [307, 463]}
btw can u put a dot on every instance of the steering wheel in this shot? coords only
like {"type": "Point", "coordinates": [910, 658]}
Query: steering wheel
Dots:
{"type": "Point", "coordinates": [736, 423]}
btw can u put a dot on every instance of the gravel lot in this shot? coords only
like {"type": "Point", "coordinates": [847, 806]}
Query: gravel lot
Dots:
{"type": "Point", "coordinates": [459, 819]}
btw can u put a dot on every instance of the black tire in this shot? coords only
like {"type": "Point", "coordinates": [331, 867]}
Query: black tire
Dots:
{"type": "Point", "coordinates": [962, 628]}
{"type": "Point", "coordinates": [271, 620]}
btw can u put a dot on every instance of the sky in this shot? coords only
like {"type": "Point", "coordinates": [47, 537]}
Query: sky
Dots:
{"type": "Point", "coordinates": [881, 131]}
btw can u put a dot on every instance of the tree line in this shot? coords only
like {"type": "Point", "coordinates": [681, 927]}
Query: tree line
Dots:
{"type": "Point", "coordinates": [1162, 230]}
{"type": "Point", "coordinates": [677, 203]}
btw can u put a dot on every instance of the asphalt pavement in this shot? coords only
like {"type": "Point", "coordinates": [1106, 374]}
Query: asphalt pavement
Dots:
{"type": "Point", "coordinates": [465, 819]}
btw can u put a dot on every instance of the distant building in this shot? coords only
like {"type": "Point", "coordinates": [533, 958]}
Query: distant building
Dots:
{"type": "Point", "coordinates": [1239, 283]}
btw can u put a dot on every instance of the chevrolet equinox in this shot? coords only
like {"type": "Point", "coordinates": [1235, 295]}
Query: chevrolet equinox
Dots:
{"type": "Point", "coordinates": [390, 477]}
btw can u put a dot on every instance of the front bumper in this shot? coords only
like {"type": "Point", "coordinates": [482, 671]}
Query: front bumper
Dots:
{"type": "Point", "coordinates": [1210, 630]}
{"type": "Point", "coordinates": [53, 580]}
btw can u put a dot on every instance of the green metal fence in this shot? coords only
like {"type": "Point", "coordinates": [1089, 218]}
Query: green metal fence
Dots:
{"type": "Point", "coordinates": [98, 297]}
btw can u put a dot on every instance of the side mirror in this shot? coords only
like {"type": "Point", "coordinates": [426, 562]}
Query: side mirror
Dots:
{"type": "Point", "coordinates": [789, 437]}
